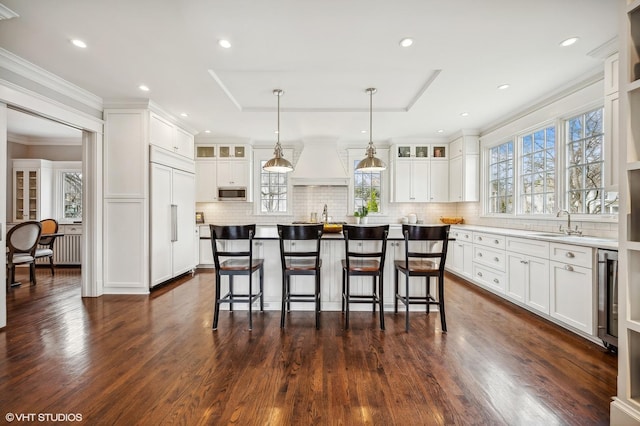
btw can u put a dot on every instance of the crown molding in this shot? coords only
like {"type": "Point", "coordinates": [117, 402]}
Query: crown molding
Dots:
{"type": "Point", "coordinates": [49, 80]}
{"type": "Point", "coordinates": [6, 13]}
{"type": "Point", "coordinates": [145, 103]}
{"type": "Point", "coordinates": [606, 49]}
{"type": "Point", "coordinates": [31, 140]}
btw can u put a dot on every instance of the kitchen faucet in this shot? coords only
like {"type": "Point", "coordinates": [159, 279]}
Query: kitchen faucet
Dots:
{"type": "Point", "coordinates": [325, 214]}
{"type": "Point", "coordinates": [568, 230]}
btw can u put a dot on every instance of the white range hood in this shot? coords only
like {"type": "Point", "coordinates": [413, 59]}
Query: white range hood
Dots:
{"type": "Point", "coordinates": [320, 165]}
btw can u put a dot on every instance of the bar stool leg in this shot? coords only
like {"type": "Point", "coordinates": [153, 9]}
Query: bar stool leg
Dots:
{"type": "Point", "coordinates": [406, 301]}
{"type": "Point", "coordinates": [261, 288]}
{"type": "Point", "coordinates": [381, 299]}
{"type": "Point", "coordinates": [443, 319]}
{"type": "Point", "coordinates": [347, 295]}
{"type": "Point", "coordinates": [395, 292]}
{"type": "Point", "coordinates": [250, 302]}
{"type": "Point", "coordinates": [231, 293]}
{"type": "Point", "coordinates": [216, 305]}
{"type": "Point", "coordinates": [317, 299]}
{"type": "Point", "coordinates": [373, 292]}
{"type": "Point", "coordinates": [285, 296]}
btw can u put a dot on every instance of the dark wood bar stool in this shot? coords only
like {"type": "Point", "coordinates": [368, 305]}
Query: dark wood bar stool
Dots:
{"type": "Point", "coordinates": [237, 262]}
{"type": "Point", "coordinates": [423, 263]}
{"type": "Point", "coordinates": [299, 261]}
{"type": "Point", "coordinates": [365, 259]}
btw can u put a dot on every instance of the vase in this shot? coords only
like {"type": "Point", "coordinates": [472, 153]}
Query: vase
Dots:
{"type": "Point", "coordinates": [364, 220]}
{"type": "Point", "coordinates": [357, 221]}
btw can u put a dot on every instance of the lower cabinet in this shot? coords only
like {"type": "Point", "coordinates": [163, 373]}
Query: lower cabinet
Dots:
{"type": "Point", "coordinates": [572, 295]}
{"type": "Point", "coordinates": [490, 278]}
{"type": "Point", "coordinates": [528, 281]}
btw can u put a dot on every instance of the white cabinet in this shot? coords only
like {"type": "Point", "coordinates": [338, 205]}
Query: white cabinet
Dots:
{"type": "Point", "coordinates": [205, 252]}
{"type": "Point", "coordinates": [460, 252]}
{"type": "Point", "coordinates": [412, 181]}
{"type": "Point", "coordinates": [32, 190]}
{"type": "Point", "coordinates": [206, 181]}
{"type": "Point", "coordinates": [172, 222]}
{"type": "Point", "coordinates": [464, 173]}
{"type": "Point", "coordinates": [239, 152]}
{"type": "Point", "coordinates": [166, 135]}
{"type": "Point", "coordinates": [233, 173]}
{"type": "Point", "coordinates": [572, 285]}
{"type": "Point", "coordinates": [439, 181]}
{"type": "Point", "coordinates": [528, 277]}
{"type": "Point", "coordinates": [490, 261]}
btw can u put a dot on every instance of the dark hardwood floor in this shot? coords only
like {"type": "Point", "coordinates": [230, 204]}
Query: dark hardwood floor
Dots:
{"type": "Point", "coordinates": [155, 360]}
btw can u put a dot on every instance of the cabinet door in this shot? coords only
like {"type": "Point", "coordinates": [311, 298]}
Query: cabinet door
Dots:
{"type": "Point", "coordinates": [572, 295]}
{"type": "Point", "coordinates": [518, 275]}
{"type": "Point", "coordinates": [161, 256]}
{"type": "Point", "coordinates": [537, 291]}
{"type": "Point", "coordinates": [161, 133]}
{"type": "Point", "coordinates": [439, 181]}
{"type": "Point", "coordinates": [183, 198]}
{"type": "Point", "coordinates": [455, 179]}
{"type": "Point", "coordinates": [206, 181]}
{"type": "Point", "coordinates": [420, 181]}
{"type": "Point", "coordinates": [402, 181]}
{"type": "Point", "coordinates": [184, 144]}
{"type": "Point", "coordinates": [467, 264]}
{"type": "Point", "coordinates": [232, 173]}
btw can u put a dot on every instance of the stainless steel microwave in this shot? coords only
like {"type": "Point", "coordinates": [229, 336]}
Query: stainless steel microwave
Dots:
{"type": "Point", "coordinates": [232, 193]}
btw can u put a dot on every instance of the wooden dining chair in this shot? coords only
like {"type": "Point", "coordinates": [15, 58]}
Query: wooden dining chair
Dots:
{"type": "Point", "coordinates": [22, 241]}
{"type": "Point", "coordinates": [47, 239]}
{"type": "Point", "coordinates": [423, 260]}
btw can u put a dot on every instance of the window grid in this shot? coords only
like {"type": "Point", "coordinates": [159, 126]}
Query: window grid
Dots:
{"type": "Point", "coordinates": [585, 163]}
{"type": "Point", "coordinates": [501, 178]}
{"type": "Point", "coordinates": [538, 172]}
{"type": "Point", "coordinates": [273, 191]}
{"type": "Point", "coordinates": [365, 185]}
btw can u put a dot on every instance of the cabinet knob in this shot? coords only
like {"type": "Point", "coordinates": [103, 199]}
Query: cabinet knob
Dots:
{"type": "Point", "coordinates": [479, 274]}
{"type": "Point", "coordinates": [568, 268]}
{"type": "Point", "coordinates": [479, 254]}
{"type": "Point", "coordinates": [497, 281]}
{"type": "Point", "coordinates": [496, 259]}
{"type": "Point", "coordinates": [496, 241]}
{"type": "Point", "coordinates": [479, 238]}
{"type": "Point", "coordinates": [570, 255]}
{"type": "Point", "coordinates": [524, 262]}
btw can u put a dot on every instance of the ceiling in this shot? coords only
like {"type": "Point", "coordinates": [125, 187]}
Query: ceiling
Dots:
{"type": "Point", "coordinates": [323, 54]}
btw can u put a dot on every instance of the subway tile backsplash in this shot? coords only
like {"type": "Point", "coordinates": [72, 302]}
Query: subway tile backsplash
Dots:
{"type": "Point", "coordinates": [307, 200]}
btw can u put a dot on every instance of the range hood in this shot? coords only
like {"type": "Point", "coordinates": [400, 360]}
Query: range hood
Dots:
{"type": "Point", "coordinates": [320, 165]}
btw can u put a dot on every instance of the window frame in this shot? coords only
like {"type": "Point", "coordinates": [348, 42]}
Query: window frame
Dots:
{"type": "Point", "coordinates": [264, 154]}
{"type": "Point", "coordinates": [486, 198]}
{"type": "Point", "coordinates": [60, 168]}
{"type": "Point", "coordinates": [519, 151]}
{"type": "Point", "coordinates": [357, 154]}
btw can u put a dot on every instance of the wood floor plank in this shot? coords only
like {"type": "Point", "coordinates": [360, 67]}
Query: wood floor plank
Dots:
{"type": "Point", "coordinates": [155, 360]}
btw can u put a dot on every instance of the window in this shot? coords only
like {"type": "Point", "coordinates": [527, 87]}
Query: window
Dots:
{"type": "Point", "coordinates": [538, 172]}
{"type": "Point", "coordinates": [501, 178]}
{"type": "Point", "coordinates": [71, 195]}
{"type": "Point", "coordinates": [585, 163]}
{"type": "Point", "coordinates": [367, 189]}
{"type": "Point", "coordinates": [273, 191]}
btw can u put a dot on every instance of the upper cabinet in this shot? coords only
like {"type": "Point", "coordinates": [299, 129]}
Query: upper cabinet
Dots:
{"type": "Point", "coordinates": [420, 173]}
{"type": "Point", "coordinates": [166, 135]}
{"type": "Point", "coordinates": [464, 173]}
{"type": "Point", "coordinates": [222, 165]}
{"type": "Point", "coordinates": [32, 189]}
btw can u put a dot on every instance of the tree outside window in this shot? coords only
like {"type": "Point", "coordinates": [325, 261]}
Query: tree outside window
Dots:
{"type": "Point", "coordinates": [367, 189]}
{"type": "Point", "coordinates": [538, 172]}
{"type": "Point", "coordinates": [501, 178]}
{"type": "Point", "coordinates": [585, 163]}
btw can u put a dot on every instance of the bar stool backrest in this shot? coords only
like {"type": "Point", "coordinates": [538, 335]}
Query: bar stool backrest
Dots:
{"type": "Point", "coordinates": [429, 234]}
{"type": "Point", "coordinates": [232, 232]}
{"type": "Point", "coordinates": [299, 233]}
{"type": "Point", "coordinates": [366, 233]}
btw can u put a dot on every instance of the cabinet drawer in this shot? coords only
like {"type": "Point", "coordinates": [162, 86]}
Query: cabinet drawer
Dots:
{"type": "Point", "coordinates": [489, 278]}
{"type": "Point", "coordinates": [492, 258]}
{"type": "Point", "coordinates": [72, 229]}
{"type": "Point", "coordinates": [528, 247]}
{"type": "Point", "coordinates": [461, 235]}
{"type": "Point", "coordinates": [489, 240]}
{"type": "Point", "coordinates": [573, 255]}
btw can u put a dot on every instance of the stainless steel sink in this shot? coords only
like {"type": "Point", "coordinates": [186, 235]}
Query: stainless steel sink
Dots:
{"type": "Point", "coordinates": [555, 235]}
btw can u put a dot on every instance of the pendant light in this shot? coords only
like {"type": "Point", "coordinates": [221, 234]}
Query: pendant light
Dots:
{"type": "Point", "coordinates": [371, 163]}
{"type": "Point", "coordinates": [278, 163]}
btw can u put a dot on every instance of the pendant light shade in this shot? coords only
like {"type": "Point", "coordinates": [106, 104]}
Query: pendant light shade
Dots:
{"type": "Point", "coordinates": [278, 163]}
{"type": "Point", "coordinates": [371, 163]}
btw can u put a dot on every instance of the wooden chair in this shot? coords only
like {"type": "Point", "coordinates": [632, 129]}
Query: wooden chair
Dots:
{"type": "Point", "coordinates": [299, 261]}
{"type": "Point", "coordinates": [369, 261]}
{"type": "Point", "coordinates": [236, 262]}
{"type": "Point", "coordinates": [22, 241]}
{"type": "Point", "coordinates": [423, 263]}
{"type": "Point", "coordinates": [45, 245]}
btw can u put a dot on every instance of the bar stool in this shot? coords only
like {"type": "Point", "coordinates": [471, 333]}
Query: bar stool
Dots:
{"type": "Point", "coordinates": [366, 262]}
{"type": "Point", "coordinates": [415, 264]}
{"type": "Point", "coordinates": [295, 261]}
{"type": "Point", "coordinates": [238, 262]}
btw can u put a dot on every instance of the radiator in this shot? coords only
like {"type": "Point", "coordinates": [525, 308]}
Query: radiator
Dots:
{"type": "Point", "coordinates": [66, 250]}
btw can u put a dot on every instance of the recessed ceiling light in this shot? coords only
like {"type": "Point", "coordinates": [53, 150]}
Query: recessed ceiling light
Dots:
{"type": "Point", "coordinates": [503, 87]}
{"type": "Point", "coordinates": [363, 131]}
{"type": "Point", "coordinates": [79, 43]}
{"type": "Point", "coordinates": [569, 41]}
{"type": "Point", "coordinates": [184, 114]}
{"type": "Point", "coordinates": [464, 114]}
{"type": "Point", "coordinates": [207, 131]}
{"type": "Point", "coordinates": [143, 88]}
{"type": "Point", "coordinates": [440, 130]}
{"type": "Point", "coordinates": [406, 42]}
{"type": "Point", "coordinates": [224, 43]}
